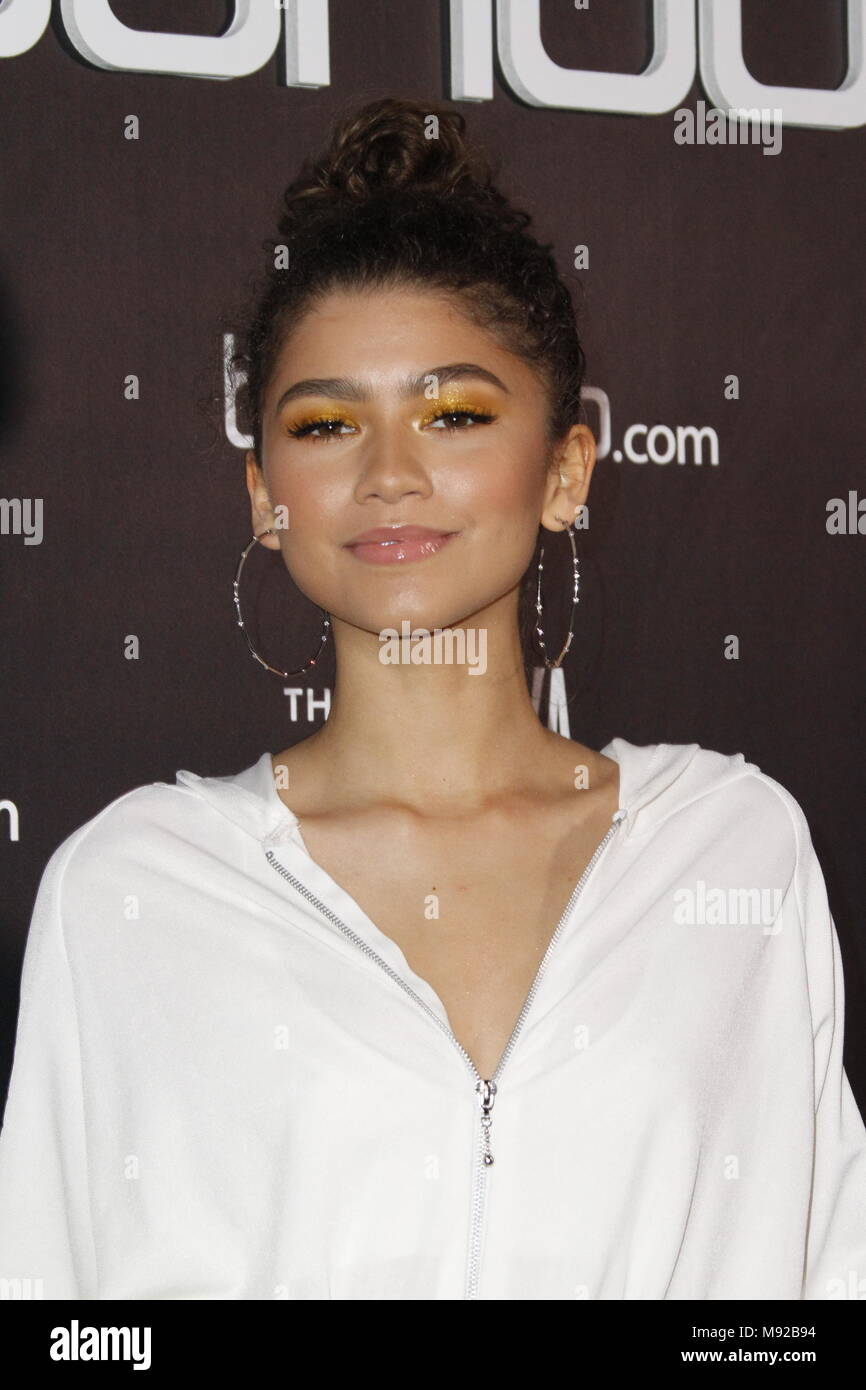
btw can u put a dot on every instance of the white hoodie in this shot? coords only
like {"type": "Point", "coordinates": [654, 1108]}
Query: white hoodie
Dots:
{"type": "Point", "coordinates": [229, 1084]}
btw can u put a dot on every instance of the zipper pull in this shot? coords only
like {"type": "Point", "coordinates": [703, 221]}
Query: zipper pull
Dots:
{"type": "Point", "coordinates": [486, 1095]}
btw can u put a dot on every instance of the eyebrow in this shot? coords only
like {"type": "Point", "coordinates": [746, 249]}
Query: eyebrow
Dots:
{"type": "Point", "coordinates": [349, 389]}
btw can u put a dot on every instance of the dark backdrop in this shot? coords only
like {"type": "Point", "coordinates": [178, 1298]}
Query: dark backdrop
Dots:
{"type": "Point", "coordinates": [122, 257]}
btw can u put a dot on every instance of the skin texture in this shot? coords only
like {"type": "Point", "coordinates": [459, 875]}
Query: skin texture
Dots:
{"type": "Point", "coordinates": [425, 783]}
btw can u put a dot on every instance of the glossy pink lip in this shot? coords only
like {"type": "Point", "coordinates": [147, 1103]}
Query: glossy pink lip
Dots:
{"type": "Point", "coordinates": [398, 544]}
{"type": "Point", "coordinates": [397, 533]}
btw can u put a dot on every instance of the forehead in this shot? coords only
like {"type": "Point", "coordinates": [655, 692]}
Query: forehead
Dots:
{"type": "Point", "coordinates": [380, 335]}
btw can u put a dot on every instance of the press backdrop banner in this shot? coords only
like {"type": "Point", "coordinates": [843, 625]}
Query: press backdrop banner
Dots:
{"type": "Point", "coordinates": [699, 170]}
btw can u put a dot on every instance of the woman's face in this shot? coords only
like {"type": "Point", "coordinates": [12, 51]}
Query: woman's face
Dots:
{"type": "Point", "coordinates": [394, 451]}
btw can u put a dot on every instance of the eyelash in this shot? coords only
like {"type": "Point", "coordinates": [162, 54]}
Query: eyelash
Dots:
{"type": "Point", "coordinates": [303, 431]}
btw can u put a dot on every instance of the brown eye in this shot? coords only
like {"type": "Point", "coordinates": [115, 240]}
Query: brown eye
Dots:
{"type": "Point", "coordinates": [448, 418]}
{"type": "Point", "coordinates": [324, 423]}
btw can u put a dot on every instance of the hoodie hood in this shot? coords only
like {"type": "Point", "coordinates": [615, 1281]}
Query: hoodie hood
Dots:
{"type": "Point", "coordinates": [656, 779]}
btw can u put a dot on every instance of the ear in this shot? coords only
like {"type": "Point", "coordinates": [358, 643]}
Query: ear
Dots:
{"type": "Point", "coordinates": [569, 478]}
{"type": "Point", "coordinates": [262, 513]}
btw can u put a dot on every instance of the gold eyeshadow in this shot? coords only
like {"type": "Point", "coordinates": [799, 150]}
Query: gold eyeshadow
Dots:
{"type": "Point", "coordinates": [453, 403]}
{"type": "Point", "coordinates": [318, 418]}
{"type": "Point", "coordinates": [450, 403]}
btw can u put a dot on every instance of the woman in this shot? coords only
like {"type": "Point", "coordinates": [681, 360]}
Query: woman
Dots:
{"type": "Point", "coordinates": [436, 1004]}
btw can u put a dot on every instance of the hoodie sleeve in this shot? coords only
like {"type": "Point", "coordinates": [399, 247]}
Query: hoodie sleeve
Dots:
{"type": "Point", "coordinates": [46, 1238]}
{"type": "Point", "coordinates": [835, 1265]}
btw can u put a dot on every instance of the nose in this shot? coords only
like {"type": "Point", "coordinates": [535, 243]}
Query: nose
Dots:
{"type": "Point", "coordinates": [391, 467]}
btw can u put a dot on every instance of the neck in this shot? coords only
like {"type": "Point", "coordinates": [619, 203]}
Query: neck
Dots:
{"type": "Point", "coordinates": [431, 735]}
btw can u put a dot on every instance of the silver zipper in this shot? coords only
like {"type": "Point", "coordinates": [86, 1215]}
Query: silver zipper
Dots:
{"type": "Point", "coordinates": [485, 1090]}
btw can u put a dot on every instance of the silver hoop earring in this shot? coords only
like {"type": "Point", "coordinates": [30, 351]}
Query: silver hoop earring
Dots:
{"type": "Point", "coordinates": [538, 628]}
{"type": "Point", "coordinates": [237, 579]}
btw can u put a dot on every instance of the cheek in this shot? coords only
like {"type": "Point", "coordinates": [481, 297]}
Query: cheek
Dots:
{"type": "Point", "coordinates": [502, 502]}
{"type": "Point", "coordinates": [312, 506]}
{"type": "Point", "coordinates": [509, 490]}
{"type": "Point", "coordinates": [508, 473]}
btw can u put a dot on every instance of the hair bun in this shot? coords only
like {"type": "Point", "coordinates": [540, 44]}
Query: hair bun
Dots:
{"type": "Point", "coordinates": [398, 197]}
{"type": "Point", "coordinates": [388, 145]}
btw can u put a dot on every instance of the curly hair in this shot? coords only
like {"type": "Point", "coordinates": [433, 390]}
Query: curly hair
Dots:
{"type": "Point", "coordinates": [398, 197]}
